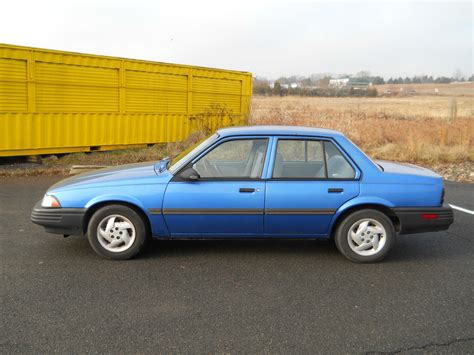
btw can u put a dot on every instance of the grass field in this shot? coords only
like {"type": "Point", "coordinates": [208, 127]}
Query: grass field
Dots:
{"type": "Point", "coordinates": [453, 89]}
{"type": "Point", "coordinates": [417, 129]}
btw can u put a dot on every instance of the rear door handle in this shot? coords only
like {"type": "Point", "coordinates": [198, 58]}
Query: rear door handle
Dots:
{"type": "Point", "coordinates": [246, 189]}
{"type": "Point", "coordinates": [335, 190]}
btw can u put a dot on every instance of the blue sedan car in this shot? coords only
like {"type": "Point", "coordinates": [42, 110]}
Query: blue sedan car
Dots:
{"type": "Point", "coordinates": [251, 182]}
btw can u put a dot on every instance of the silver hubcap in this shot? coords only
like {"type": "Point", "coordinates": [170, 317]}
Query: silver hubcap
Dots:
{"type": "Point", "coordinates": [116, 233]}
{"type": "Point", "coordinates": [367, 237]}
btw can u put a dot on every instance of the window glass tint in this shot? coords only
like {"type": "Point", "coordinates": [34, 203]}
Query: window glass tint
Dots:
{"type": "Point", "coordinates": [299, 159]}
{"type": "Point", "coordinates": [183, 158]}
{"type": "Point", "coordinates": [338, 167]}
{"type": "Point", "coordinates": [243, 158]}
{"type": "Point", "coordinates": [306, 159]}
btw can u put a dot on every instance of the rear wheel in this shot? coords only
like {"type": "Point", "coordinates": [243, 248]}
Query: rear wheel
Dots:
{"type": "Point", "coordinates": [365, 236]}
{"type": "Point", "coordinates": [116, 232]}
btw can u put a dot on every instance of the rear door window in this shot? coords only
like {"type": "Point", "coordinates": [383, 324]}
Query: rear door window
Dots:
{"type": "Point", "coordinates": [310, 159]}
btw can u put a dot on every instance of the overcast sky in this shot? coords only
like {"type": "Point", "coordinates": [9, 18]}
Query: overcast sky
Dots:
{"type": "Point", "coordinates": [267, 38]}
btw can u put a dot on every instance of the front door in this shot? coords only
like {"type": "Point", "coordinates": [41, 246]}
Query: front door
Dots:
{"type": "Point", "coordinates": [309, 181]}
{"type": "Point", "coordinates": [227, 199]}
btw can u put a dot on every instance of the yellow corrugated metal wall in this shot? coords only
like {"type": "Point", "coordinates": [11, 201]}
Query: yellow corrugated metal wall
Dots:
{"type": "Point", "coordinates": [57, 102]}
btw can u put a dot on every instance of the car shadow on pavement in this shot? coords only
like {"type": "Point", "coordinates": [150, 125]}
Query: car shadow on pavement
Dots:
{"type": "Point", "coordinates": [409, 248]}
{"type": "Point", "coordinates": [426, 247]}
{"type": "Point", "coordinates": [178, 248]}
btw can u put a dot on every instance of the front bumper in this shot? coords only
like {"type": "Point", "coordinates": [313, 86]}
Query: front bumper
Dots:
{"type": "Point", "coordinates": [424, 219]}
{"type": "Point", "coordinates": [59, 220]}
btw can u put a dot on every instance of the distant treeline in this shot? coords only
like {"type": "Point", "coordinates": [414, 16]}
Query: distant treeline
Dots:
{"type": "Point", "coordinates": [319, 85]}
{"type": "Point", "coordinates": [423, 80]}
{"type": "Point", "coordinates": [278, 90]}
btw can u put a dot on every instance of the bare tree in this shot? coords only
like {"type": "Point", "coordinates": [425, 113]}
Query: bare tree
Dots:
{"type": "Point", "coordinates": [363, 74]}
{"type": "Point", "coordinates": [458, 75]}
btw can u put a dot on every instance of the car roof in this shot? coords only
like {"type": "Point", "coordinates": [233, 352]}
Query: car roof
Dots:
{"type": "Point", "coordinates": [278, 131]}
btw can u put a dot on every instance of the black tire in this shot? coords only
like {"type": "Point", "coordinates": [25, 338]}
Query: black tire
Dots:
{"type": "Point", "coordinates": [342, 232]}
{"type": "Point", "coordinates": [141, 234]}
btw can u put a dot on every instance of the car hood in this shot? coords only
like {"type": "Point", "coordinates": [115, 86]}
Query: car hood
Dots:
{"type": "Point", "coordinates": [116, 176]}
{"type": "Point", "coordinates": [405, 168]}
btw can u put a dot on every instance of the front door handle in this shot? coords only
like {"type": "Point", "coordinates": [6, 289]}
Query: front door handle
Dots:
{"type": "Point", "coordinates": [335, 190]}
{"type": "Point", "coordinates": [246, 189]}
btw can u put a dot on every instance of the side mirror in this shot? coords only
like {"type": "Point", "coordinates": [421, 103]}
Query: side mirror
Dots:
{"type": "Point", "coordinates": [190, 174]}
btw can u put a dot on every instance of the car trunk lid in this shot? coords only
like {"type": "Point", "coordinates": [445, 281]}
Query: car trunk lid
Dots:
{"type": "Point", "coordinates": [405, 168]}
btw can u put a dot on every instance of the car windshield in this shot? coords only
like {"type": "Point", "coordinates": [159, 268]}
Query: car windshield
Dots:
{"type": "Point", "coordinates": [183, 158]}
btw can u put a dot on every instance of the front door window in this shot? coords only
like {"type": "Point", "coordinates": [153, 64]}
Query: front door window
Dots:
{"type": "Point", "coordinates": [238, 159]}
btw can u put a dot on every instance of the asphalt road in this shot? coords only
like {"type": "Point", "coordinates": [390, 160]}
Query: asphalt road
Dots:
{"type": "Point", "coordinates": [232, 296]}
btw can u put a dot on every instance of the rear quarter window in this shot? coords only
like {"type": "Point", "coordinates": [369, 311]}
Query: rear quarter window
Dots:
{"type": "Point", "coordinates": [337, 165]}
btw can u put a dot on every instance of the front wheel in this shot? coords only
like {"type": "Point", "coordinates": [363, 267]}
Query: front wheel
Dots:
{"type": "Point", "coordinates": [116, 232]}
{"type": "Point", "coordinates": [365, 236]}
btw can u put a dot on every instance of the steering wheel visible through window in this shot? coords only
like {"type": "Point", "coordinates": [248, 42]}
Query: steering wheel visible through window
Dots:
{"type": "Point", "coordinates": [238, 158]}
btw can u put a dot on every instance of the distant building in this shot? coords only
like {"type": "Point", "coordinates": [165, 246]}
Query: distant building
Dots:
{"type": "Point", "coordinates": [283, 86]}
{"type": "Point", "coordinates": [358, 85]}
{"type": "Point", "coordinates": [338, 83]}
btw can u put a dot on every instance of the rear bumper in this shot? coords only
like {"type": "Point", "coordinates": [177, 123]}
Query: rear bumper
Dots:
{"type": "Point", "coordinates": [59, 220]}
{"type": "Point", "coordinates": [424, 219]}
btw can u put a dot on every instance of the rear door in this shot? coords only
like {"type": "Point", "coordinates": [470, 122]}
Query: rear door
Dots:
{"type": "Point", "coordinates": [227, 199]}
{"type": "Point", "coordinates": [308, 181]}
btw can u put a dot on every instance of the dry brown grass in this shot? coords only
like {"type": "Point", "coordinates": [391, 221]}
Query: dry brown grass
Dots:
{"type": "Point", "coordinates": [453, 89]}
{"type": "Point", "coordinates": [54, 165]}
{"type": "Point", "coordinates": [129, 156]}
{"type": "Point", "coordinates": [415, 129]}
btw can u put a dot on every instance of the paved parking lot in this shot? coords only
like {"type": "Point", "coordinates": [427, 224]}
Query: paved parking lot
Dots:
{"type": "Point", "coordinates": [232, 296]}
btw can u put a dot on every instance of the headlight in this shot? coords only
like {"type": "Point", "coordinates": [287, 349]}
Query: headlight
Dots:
{"type": "Point", "coordinates": [50, 201]}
